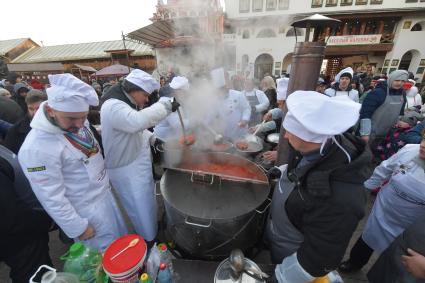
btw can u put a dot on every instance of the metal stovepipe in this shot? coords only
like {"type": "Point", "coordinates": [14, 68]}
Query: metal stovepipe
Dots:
{"type": "Point", "coordinates": [305, 69]}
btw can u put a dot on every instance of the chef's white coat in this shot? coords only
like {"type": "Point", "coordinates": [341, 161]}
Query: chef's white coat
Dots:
{"type": "Point", "coordinates": [73, 189]}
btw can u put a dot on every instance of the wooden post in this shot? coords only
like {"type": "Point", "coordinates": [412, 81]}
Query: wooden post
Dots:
{"type": "Point", "coordinates": [363, 27]}
{"type": "Point", "coordinates": [381, 27]}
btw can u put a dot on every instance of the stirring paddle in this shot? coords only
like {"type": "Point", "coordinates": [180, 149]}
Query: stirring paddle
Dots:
{"type": "Point", "coordinates": [130, 245]}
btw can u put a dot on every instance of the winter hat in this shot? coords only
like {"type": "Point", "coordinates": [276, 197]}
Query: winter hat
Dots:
{"type": "Point", "coordinates": [397, 75]}
{"type": "Point", "coordinates": [19, 87]}
{"type": "Point", "coordinates": [347, 72]}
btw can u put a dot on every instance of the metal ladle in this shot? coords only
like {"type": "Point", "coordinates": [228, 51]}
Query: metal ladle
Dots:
{"type": "Point", "coordinates": [238, 266]}
{"type": "Point", "coordinates": [218, 139]}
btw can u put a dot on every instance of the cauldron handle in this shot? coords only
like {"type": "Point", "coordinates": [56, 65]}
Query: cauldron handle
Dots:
{"type": "Point", "coordinates": [197, 224]}
{"type": "Point", "coordinates": [266, 206]}
{"type": "Point", "coordinates": [193, 180]}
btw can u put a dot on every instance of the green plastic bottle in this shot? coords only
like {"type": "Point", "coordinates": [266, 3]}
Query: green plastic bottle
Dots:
{"type": "Point", "coordinates": [82, 262]}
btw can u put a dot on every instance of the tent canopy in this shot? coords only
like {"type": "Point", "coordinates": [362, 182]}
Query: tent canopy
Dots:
{"type": "Point", "coordinates": [153, 34]}
{"type": "Point", "coordinates": [86, 68]}
{"type": "Point", "coordinates": [113, 70]}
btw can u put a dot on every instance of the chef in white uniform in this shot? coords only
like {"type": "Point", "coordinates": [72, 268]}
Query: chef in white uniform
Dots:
{"type": "Point", "coordinates": [127, 142]}
{"type": "Point", "coordinates": [170, 127]}
{"type": "Point", "coordinates": [257, 100]}
{"type": "Point", "coordinates": [232, 114]}
{"type": "Point", "coordinates": [64, 165]}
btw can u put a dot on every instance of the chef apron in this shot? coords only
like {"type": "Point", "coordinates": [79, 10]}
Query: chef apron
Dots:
{"type": "Point", "coordinates": [103, 213]}
{"type": "Point", "coordinates": [397, 205]}
{"type": "Point", "coordinates": [253, 101]}
{"type": "Point", "coordinates": [385, 117]}
{"type": "Point", "coordinates": [135, 186]}
{"type": "Point", "coordinates": [229, 118]}
{"type": "Point", "coordinates": [282, 235]}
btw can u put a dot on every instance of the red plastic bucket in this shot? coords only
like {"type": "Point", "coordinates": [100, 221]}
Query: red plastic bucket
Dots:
{"type": "Point", "coordinates": [126, 267]}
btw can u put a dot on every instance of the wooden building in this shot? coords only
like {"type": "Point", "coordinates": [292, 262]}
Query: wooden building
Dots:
{"type": "Point", "coordinates": [83, 59]}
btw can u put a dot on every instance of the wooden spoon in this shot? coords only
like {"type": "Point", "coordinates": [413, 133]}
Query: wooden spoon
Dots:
{"type": "Point", "coordinates": [130, 245]}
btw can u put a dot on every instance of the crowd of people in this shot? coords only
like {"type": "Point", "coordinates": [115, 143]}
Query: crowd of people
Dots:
{"type": "Point", "coordinates": [68, 144]}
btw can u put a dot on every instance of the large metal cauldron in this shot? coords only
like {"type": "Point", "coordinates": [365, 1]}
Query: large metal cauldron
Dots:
{"type": "Point", "coordinates": [209, 215]}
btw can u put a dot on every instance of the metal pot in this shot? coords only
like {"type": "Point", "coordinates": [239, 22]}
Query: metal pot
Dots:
{"type": "Point", "coordinates": [208, 215]}
{"type": "Point", "coordinates": [255, 145]}
{"type": "Point", "coordinates": [223, 274]}
{"type": "Point", "coordinates": [273, 138]}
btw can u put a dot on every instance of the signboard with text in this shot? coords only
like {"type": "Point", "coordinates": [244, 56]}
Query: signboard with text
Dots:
{"type": "Point", "coordinates": [355, 39]}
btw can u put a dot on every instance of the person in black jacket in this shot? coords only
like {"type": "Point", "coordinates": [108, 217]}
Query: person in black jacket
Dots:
{"type": "Point", "coordinates": [20, 92]}
{"type": "Point", "coordinates": [10, 110]}
{"type": "Point", "coordinates": [404, 260]}
{"type": "Point", "coordinates": [24, 230]}
{"type": "Point", "coordinates": [319, 198]}
{"type": "Point", "coordinates": [16, 135]}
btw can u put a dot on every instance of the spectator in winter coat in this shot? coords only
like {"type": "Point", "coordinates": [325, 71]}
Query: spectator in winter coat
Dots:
{"type": "Point", "coordinates": [414, 135]}
{"type": "Point", "coordinates": [20, 92]}
{"type": "Point", "coordinates": [413, 98]}
{"type": "Point", "coordinates": [24, 230]}
{"type": "Point", "coordinates": [382, 107]}
{"type": "Point", "coordinates": [403, 260]}
{"type": "Point", "coordinates": [268, 85]}
{"type": "Point", "coordinates": [17, 134]}
{"type": "Point", "coordinates": [342, 85]}
{"type": "Point", "coordinates": [10, 110]}
{"type": "Point", "coordinates": [5, 93]}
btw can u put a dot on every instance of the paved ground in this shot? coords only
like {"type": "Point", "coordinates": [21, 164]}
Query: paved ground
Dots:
{"type": "Point", "coordinates": [57, 248]}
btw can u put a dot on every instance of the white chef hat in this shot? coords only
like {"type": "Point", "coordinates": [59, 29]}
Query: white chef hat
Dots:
{"type": "Point", "coordinates": [143, 80]}
{"type": "Point", "coordinates": [347, 70]}
{"type": "Point", "coordinates": [282, 88]}
{"type": "Point", "coordinates": [180, 83]}
{"type": "Point", "coordinates": [218, 78]}
{"type": "Point", "coordinates": [315, 117]}
{"type": "Point", "coordinates": [69, 94]}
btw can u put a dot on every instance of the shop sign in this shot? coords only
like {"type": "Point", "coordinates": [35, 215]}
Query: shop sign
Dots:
{"type": "Point", "coordinates": [355, 39]}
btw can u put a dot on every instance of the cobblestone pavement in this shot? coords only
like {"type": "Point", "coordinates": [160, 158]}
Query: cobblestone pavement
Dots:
{"type": "Point", "coordinates": [57, 248]}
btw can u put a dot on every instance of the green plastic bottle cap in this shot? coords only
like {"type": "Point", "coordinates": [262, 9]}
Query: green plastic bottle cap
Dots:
{"type": "Point", "coordinates": [76, 249]}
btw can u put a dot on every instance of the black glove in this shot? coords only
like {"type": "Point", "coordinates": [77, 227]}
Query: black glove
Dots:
{"type": "Point", "coordinates": [174, 105]}
{"type": "Point", "coordinates": [274, 173]}
{"type": "Point", "coordinates": [158, 144]}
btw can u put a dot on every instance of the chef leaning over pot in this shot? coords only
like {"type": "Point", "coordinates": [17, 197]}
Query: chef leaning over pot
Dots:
{"type": "Point", "coordinates": [127, 142]}
{"type": "Point", "coordinates": [319, 198]}
{"type": "Point", "coordinates": [64, 165]}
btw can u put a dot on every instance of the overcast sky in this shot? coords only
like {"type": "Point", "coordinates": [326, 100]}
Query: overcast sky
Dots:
{"type": "Point", "coordinates": [61, 22]}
